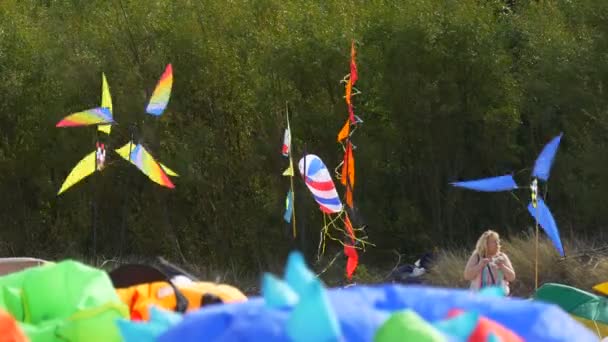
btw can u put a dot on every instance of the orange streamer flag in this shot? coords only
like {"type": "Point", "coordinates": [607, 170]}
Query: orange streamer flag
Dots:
{"type": "Point", "coordinates": [344, 132]}
{"type": "Point", "coordinates": [354, 76]}
{"type": "Point", "coordinates": [348, 173]}
{"type": "Point", "coordinates": [349, 229]}
{"type": "Point", "coordinates": [353, 66]}
{"type": "Point", "coordinates": [352, 260]}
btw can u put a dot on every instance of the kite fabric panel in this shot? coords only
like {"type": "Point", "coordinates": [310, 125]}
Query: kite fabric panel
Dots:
{"type": "Point", "coordinates": [319, 182]}
{"type": "Point", "coordinates": [348, 167]}
{"type": "Point", "coordinates": [95, 116]}
{"type": "Point", "coordinates": [544, 217]}
{"type": "Point", "coordinates": [344, 131]}
{"type": "Point", "coordinates": [84, 168]}
{"type": "Point", "coordinates": [106, 102]}
{"type": "Point", "coordinates": [491, 184]}
{"type": "Point", "coordinates": [144, 161]}
{"type": "Point", "coordinates": [167, 170]}
{"type": "Point", "coordinates": [288, 207]}
{"type": "Point", "coordinates": [354, 75]}
{"type": "Point", "coordinates": [125, 150]}
{"type": "Point", "coordinates": [162, 93]}
{"type": "Point", "coordinates": [286, 148]}
{"type": "Point", "coordinates": [352, 260]}
{"type": "Point", "coordinates": [542, 166]}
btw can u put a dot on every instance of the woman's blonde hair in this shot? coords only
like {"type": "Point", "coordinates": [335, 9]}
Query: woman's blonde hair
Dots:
{"type": "Point", "coordinates": [482, 242]}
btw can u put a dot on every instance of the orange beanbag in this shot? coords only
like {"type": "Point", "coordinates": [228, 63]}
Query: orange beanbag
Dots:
{"type": "Point", "coordinates": [198, 294]}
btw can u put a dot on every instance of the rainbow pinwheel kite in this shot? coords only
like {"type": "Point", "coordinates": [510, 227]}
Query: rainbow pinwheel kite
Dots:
{"type": "Point", "coordinates": [137, 154]}
{"type": "Point", "coordinates": [134, 153]}
{"type": "Point", "coordinates": [102, 118]}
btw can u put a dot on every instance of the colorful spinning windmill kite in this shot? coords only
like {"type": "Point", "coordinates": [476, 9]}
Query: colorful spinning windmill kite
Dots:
{"type": "Point", "coordinates": [134, 153]}
{"type": "Point", "coordinates": [96, 160]}
{"type": "Point", "coordinates": [102, 118]}
{"type": "Point", "coordinates": [137, 154]}
{"type": "Point", "coordinates": [537, 207]}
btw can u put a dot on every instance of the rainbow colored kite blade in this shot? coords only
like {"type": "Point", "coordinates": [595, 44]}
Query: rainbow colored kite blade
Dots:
{"type": "Point", "coordinates": [95, 116]}
{"type": "Point", "coordinates": [160, 97]}
{"type": "Point", "coordinates": [84, 168]}
{"type": "Point", "coordinates": [144, 161]}
{"type": "Point", "coordinates": [168, 171]}
{"type": "Point", "coordinates": [106, 102]}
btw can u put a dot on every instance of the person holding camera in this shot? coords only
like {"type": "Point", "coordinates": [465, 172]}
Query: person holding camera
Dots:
{"type": "Point", "coordinates": [488, 266]}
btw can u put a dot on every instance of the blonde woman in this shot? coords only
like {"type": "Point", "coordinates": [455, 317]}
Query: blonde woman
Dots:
{"type": "Point", "coordinates": [488, 266]}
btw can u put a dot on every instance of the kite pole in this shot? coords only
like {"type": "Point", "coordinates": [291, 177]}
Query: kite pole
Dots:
{"type": "Point", "coordinates": [132, 128]}
{"type": "Point", "coordinates": [290, 215]}
{"type": "Point", "coordinates": [293, 209]}
{"type": "Point", "coordinates": [534, 194]}
{"type": "Point", "coordinates": [293, 194]}
{"type": "Point", "coordinates": [536, 259]}
{"type": "Point", "coordinates": [303, 227]}
{"type": "Point", "coordinates": [94, 223]}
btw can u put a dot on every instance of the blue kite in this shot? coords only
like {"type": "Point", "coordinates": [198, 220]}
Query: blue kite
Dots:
{"type": "Point", "coordinates": [537, 207]}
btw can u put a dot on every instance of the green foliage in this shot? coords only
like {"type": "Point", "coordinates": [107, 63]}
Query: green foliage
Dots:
{"type": "Point", "coordinates": [450, 90]}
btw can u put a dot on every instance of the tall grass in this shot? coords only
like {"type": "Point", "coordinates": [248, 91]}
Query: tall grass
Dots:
{"type": "Point", "coordinates": [585, 265]}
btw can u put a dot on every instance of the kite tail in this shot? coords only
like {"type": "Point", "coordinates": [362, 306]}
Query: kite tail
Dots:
{"type": "Point", "coordinates": [348, 239]}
